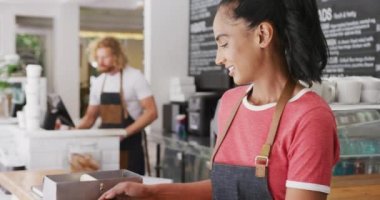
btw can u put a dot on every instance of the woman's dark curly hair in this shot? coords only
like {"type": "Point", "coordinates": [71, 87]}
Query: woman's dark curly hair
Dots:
{"type": "Point", "coordinates": [297, 24]}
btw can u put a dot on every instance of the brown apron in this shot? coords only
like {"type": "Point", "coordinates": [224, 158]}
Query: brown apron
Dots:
{"type": "Point", "coordinates": [232, 182]}
{"type": "Point", "coordinates": [114, 114]}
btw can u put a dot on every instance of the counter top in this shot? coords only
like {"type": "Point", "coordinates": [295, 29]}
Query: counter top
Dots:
{"type": "Point", "coordinates": [8, 120]}
{"type": "Point", "coordinates": [343, 187]}
{"type": "Point", "coordinates": [9, 130]}
{"type": "Point", "coordinates": [48, 149]}
{"type": "Point", "coordinates": [355, 187]}
{"type": "Point", "coordinates": [19, 183]}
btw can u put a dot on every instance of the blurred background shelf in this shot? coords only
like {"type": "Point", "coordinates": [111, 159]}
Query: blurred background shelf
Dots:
{"type": "Point", "coordinates": [359, 138]}
{"type": "Point", "coordinates": [360, 106]}
{"type": "Point", "coordinates": [359, 156]}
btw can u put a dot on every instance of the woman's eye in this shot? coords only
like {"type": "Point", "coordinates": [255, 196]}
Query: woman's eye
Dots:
{"type": "Point", "coordinates": [224, 45]}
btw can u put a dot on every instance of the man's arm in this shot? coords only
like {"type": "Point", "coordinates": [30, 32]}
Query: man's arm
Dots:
{"type": "Point", "coordinates": [148, 116]}
{"type": "Point", "coordinates": [89, 118]}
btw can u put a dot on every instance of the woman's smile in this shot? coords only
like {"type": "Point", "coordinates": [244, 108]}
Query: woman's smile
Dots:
{"type": "Point", "coordinates": [231, 70]}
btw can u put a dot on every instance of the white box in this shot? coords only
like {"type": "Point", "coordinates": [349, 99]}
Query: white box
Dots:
{"type": "Point", "coordinates": [69, 186]}
{"type": "Point", "coordinates": [188, 80]}
{"type": "Point", "coordinates": [51, 149]}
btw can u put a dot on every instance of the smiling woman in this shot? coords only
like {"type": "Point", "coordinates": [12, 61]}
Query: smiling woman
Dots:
{"type": "Point", "coordinates": [236, 47]}
{"type": "Point", "coordinates": [276, 138]}
{"type": "Point", "coordinates": [266, 45]}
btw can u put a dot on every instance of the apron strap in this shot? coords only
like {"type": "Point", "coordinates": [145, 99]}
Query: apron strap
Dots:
{"type": "Point", "coordinates": [262, 159]}
{"type": "Point", "coordinates": [105, 77]}
{"type": "Point", "coordinates": [121, 94]}
{"type": "Point", "coordinates": [220, 138]}
{"type": "Point", "coordinates": [122, 98]}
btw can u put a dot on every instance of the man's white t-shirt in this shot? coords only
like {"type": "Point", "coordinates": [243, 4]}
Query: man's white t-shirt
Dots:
{"type": "Point", "coordinates": [135, 88]}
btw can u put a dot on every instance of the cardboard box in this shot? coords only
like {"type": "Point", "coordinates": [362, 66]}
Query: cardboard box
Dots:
{"type": "Point", "coordinates": [69, 186]}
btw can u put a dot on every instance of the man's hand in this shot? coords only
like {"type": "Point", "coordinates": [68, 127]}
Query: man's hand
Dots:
{"type": "Point", "coordinates": [122, 137]}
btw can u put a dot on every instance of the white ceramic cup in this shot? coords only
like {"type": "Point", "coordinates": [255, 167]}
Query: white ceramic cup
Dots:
{"type": "Point", "coordinates": [349, 91]}
{"type": "Point", "coordinates": [370, 83]}
{"type": "Point", "coordinates": [370, 96]}
{"type": "Point", "coordinates": [33, 70]}
{"type": "Point", "coordinates": [370, 89]}
{"type": "Point", "coordinates": [31, 89]}
{"type": "Point", "coordinates": [317, 88]}
{"type": "Point", "coordinates": [328, 90]}
{"type": "Point", "coordinates": [32, 124]}
{"type": "Point", "coordinates": [33, 81]}
{"type": "Point", "coordinates": [32, 100]}
{"type": "Point", "coordinates": [32, 111]}
{"type": "Point", "coordinates": [21, 119]}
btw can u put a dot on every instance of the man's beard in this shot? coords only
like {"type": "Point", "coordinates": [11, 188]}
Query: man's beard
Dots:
{"type": "Point", "coordinates": [106, 69]}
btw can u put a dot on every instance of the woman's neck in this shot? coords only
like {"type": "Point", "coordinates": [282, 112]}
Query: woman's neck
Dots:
{"type": "Point", "coordinates": [267, 91]}
{"type": "Point", "coordinates": [270, 84]}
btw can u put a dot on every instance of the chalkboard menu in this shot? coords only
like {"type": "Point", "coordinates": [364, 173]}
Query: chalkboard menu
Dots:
{"type": "Point", "coordinates": [202, 48]}
{"type": "Point", "coordinates": [351, 27]}
{"type": "Point", "coordinates": [352, 31]}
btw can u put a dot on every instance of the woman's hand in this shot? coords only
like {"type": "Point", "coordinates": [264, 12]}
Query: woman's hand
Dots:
{"type": "Point", "coordinates": [130, 190]}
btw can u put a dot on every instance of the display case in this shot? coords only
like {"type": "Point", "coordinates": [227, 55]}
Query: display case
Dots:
{"type": "Point", "coordinates": [359, 138]}
{"type": "Point", "coordinates": [181, 161]}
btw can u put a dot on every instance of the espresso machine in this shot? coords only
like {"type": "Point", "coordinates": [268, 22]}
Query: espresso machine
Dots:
{"type": "Point", "coordinates": [201, 109]}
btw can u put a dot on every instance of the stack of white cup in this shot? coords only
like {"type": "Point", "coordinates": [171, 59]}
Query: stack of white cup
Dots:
{"type": "Point", "coordinates": [32, 107]}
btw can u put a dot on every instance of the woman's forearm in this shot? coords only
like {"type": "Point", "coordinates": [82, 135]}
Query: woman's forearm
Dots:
{"type": "Point", "coordinates": [184, 191]}
{"type": "Point", "coordinates": [201, 190]}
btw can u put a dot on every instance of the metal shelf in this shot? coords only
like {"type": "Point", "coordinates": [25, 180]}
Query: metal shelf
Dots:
{"type": "Point", "coordinates": [337, 107]}
{"type": "Point", "coordinates": [360, 156]}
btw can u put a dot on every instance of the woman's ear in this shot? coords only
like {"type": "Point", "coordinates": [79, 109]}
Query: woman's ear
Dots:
{"type": "Point", "coordinates": [265, 32]}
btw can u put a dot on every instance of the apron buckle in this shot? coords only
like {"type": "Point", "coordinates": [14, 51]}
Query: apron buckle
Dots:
{"type": "Point", "coordinates": [261, 163]}
{"type": "Point", "coordinates": [262, 160]}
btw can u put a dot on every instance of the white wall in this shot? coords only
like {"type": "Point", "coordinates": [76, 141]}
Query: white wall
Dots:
{"type": "Point", "coordinates": [65, 72]}
{"type": "Point", "coordinates": [66, 63]}
{"type": "Point", "coordinates": [166, 44]}
{"type": "Point", "coordinates": [166, 35]}
{"type": "Point", "coordinates": [7, 27]}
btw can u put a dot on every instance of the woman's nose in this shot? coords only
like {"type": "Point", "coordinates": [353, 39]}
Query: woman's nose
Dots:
{"type": "Point", "coordinates": [219, 59]}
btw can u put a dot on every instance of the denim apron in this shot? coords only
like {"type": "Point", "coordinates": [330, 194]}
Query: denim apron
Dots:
{"type": "Point", "coordinates": [114, 114]}
{"type": "Point", "coordinates": [232, 182]}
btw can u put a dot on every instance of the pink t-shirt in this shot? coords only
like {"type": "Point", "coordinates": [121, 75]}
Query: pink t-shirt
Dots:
{"type": "Point", "coordinates": [306, 146]}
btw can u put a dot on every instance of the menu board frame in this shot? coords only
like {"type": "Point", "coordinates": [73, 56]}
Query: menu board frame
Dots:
{"type": "Point", "coordinates": [352, 31]}
{"type": "Point", "coordinates": [202, 45]}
